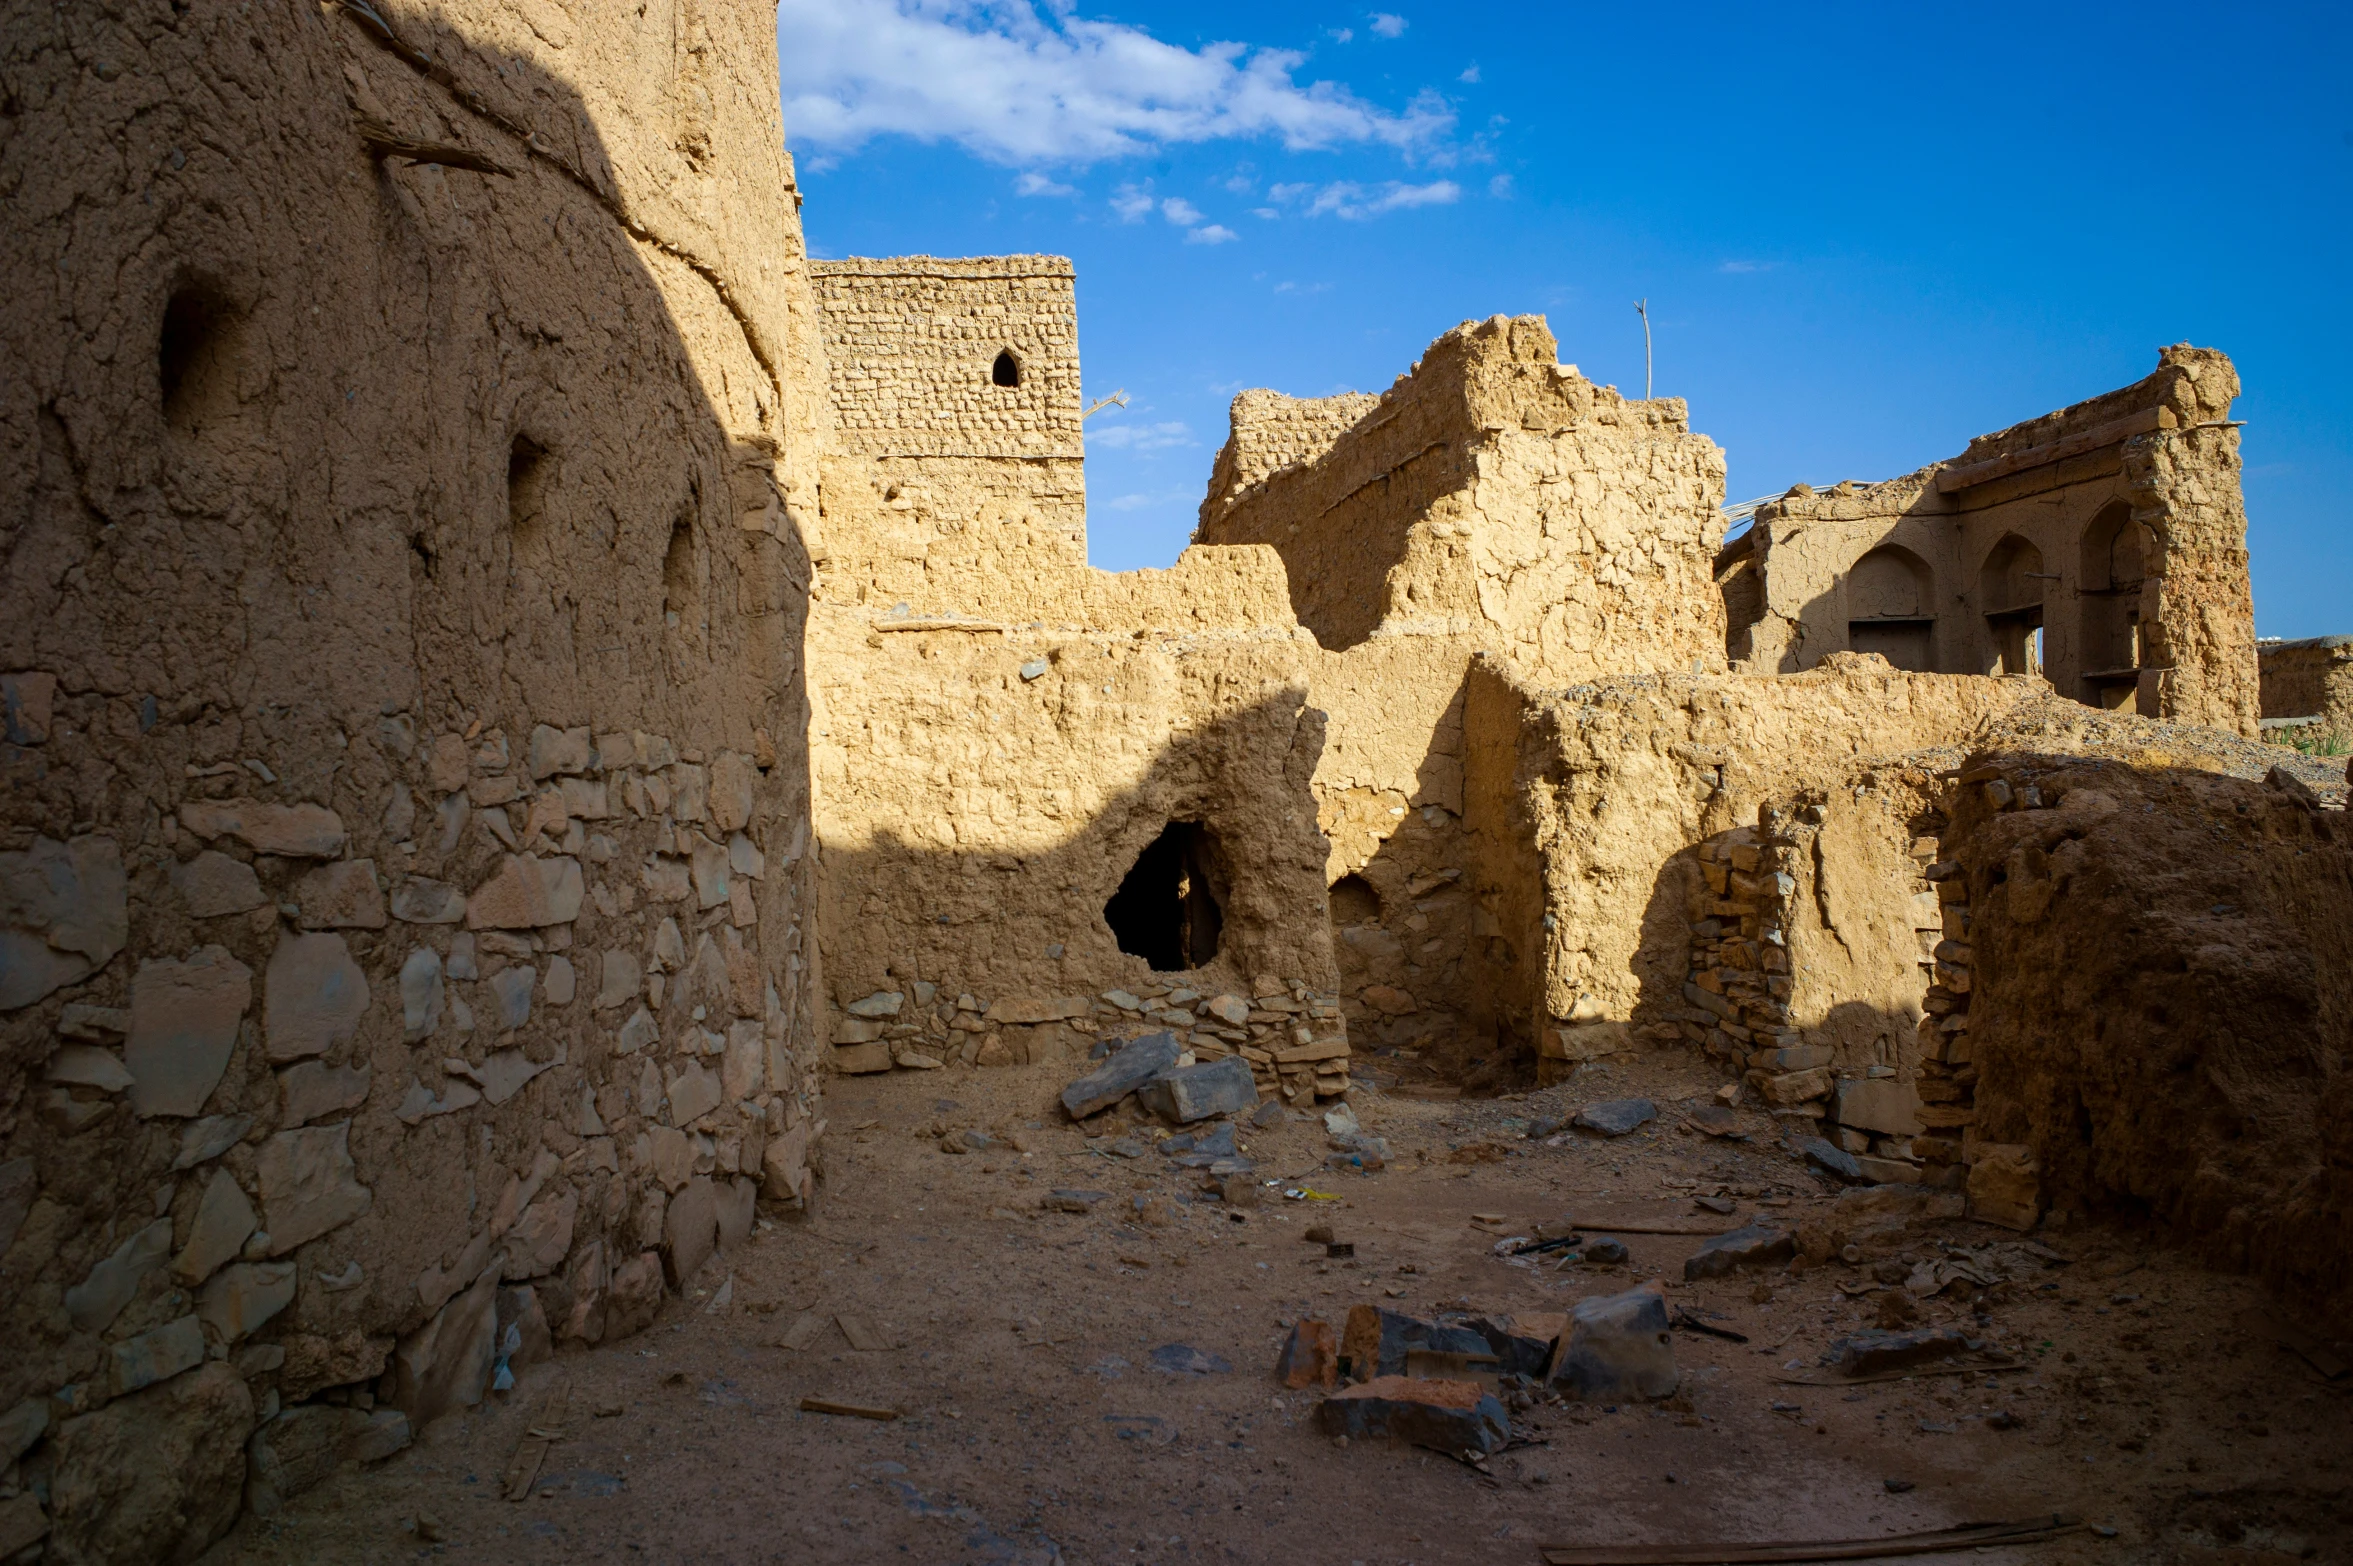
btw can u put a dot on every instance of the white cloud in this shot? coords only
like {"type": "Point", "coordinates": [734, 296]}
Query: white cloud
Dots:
{"type": "Point", "coordinates": [1180, 212]}
{"type": "Point", "coordinates": [1038, 185]}
{"type": "Point", "coordinates": [1348, 199]}
{"type": "Point", "coordinates": [1470, 75]}
{"type": "Point", "coordinates": [1387, 25]}
{"type": "Point", "coordinates": [1500, 187]}
{"type": "Point", "coordinates": [1139, 437]}
{"type": "Point", "coordinates": [1743, 266]}
{"type": "Point", "coordinates": [1007, 81]}
{"type": "Point", "coordinates": [1264, 212]}
{"type": "Point", "coordinates": [1133, 203]}
{"type": "Point", "coordinates": [1239, 184]}
{"type": "Point", "coordinates": [1343, 34]}
{"type": "Point", "coordinates": [1214, 234]}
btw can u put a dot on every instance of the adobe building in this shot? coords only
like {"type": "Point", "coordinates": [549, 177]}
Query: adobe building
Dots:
{"type": "Point", "coordinates": [516, 678]}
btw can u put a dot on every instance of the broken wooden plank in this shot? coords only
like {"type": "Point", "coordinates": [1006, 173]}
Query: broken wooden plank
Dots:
{"type": "Point", "coordinates": [544, 1430]}
{"type": "Point", "coordinates": [804, 1330]}
{"type": "Point", "coordinates": [1966, 1536]}
{"type": "Point", "coordinates": [827, 1405]}
{"type": "Point", "coordinates": [1825, 1378]}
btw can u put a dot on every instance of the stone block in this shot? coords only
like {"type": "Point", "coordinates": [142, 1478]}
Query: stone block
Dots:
{"type": "Point", "coordinates": [552, 750]}
{"type": "Point", "coordinates": [1184, 1094]}
{"type": "Point", "coordinates": [342, 895]}
{"type": "Point", "coordinates": [2005, 1186]}
{"type": "Point", "coordinates": [1027, 1011]}
{"type": "Point", "coordinates": [527, 893]}
{"type": "Point", "coordinates": [1072, 1200]}
{"type": "Point", "coordinates": [86, 1065]}
{"type": "Point", "coordinates": [738, 1202]}
{"type": "Point", "coordinates": [213, 885]}
{"type": "Point", "coordinates": [309, 1185]}
{"type": "Point", "coordinates": [1616, 1117]}
{"type": "Point", "coordinates": [224, 1218]}
{"type": "Point", "coordinates": [732, 777]}
{"type": "Point", "coordinates": [417, 900]}
{"type": "Point", "coordinates": [542, 1237]}
{"type": "Point", "coordinates": [1121, 1074]}
{"type": "Point", "coordinates": [184, 1018]}
{"type": "Point", "coordinates": [421, 994]}
{"type": "Point", "coordinates": [1879, 1104]}
{"type": "Point", "coordinates": [690, 1230]}
{"type": "Point", "coordinates": [1757, 1245]}
{"type": "Point", "coordinates": [635, 1296]}
{"type": "Point", "coordinates": [291, 831]}
{"type": "Point", "coordinates": [20, 1427]}
{"type": "Point", "coordinates": [446, 1363]}
{"type": "Point", "coordinates": [158, 1355]}
{"type": "Point", "coordinates": [510, 996]}
{"type": "Point", "coordinates": [1452, 1416]}
{"type": "Point", "coordinates": [1617, 1348]}
{"type": "Point", "coordinates": [313, 996]}
{"type": "Point", "coordinates": [620, 979]}
{"type": "Point", "coordinates": [1375, 1342]}
{"type": "Point", "coordinates": [314, 1090]}
{"type": "Point", "coordinates": [240, 1299]}
{"type": "Point", "coordinates": [1522, 1345]}
{"type": "Point", "coordinates": [1830, 1158]}
{"type": "Point", "coordinates": [1886, 1171]}
{"type": "Point", "coordinates": [883, 1003]}
{"type": "Point", "coordinates": [1869, 1353]}
{"type": "Point", "coordinates": [1796, 1087]}
{"type": "Point", "coordinates": [92, 1304]}
{"type": "Point", "coordinates": [157, 1476]}
{"type": "Point", "coordinates": [308, 1443]}
{"type": "Point", "coordinates": [694, 1091]}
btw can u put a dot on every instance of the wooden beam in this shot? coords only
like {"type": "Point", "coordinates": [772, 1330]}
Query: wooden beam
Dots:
{"type": "Point", "coordinates": [2116, 431]}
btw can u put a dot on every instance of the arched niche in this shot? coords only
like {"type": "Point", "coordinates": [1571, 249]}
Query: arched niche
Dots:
{"type": "Point", "coordinates": [1891, 608]}
{"type": "Point", "coordinates": [2010, 592]}
{"type": "Point", "coordinates": [2111, 569]}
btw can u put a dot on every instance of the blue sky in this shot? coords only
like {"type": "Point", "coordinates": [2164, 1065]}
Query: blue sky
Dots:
{"type": "Point", "coordinates": [1866, 234]}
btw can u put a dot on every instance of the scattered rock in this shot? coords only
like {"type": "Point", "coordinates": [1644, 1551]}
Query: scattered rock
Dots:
{"type": "Point", "coordinates": [1125, 1071]}
{"type": "Point", "coordinates": [1375, 1342]}
{"type": "Point", "coordinates": [1182, 1359]}
{"type": "Point", "coordinates": [1836, 1160]}
{"type": "Point", "coordinates": [1757, 1245]}
{"type": "Point", "coordinates": [1185, 1094]}
{"type": "Point", "coordinates": [1619, 1347]}
{"type": "Point", "coordinates": [1617, 1116]}
{"type": "Point", "coordinates": [1605, 1251]}
{"type": "Point", "coordinates": [2004, 1186]}
{"type": "Point", "coordinates": [1067, 1200]}
{"type": "Point", "coordinates": [1452, 1416]}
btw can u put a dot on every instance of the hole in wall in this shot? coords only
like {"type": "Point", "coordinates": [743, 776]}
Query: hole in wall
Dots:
{"type": "Point", "coordinates": [528, 468]}
{"type": "Point", "coordinates": [1006, 371]}
{"type": "Point", "coordinates": [1170, 908]}
{"type": "Point", "coordinates": [1354, 901]}
{"type": "Point", "coordinates": [196, 358]}
{"type": "Point", "coordinates": [682, 581]}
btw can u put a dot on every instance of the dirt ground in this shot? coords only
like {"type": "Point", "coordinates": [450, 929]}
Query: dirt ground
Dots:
{"type": "Point", "coordinates": [2154, 1400]}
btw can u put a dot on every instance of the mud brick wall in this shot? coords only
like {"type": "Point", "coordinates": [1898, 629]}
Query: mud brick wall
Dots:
{"type": "Point", "coordinates": [403, 810]}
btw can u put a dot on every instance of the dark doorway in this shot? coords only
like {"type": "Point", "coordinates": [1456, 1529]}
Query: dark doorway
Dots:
{"type": "Point", "coordinates": [1006, 371]}
{"type": "Point", "coordinates": [1170, 907]}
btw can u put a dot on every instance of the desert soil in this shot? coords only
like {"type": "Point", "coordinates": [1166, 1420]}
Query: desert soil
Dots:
{"type": "Point", "coordinates": [2155, 1399]}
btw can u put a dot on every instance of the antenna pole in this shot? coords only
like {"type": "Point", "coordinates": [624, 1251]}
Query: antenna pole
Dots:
{"type": "Point", "coordinates": [1642, 308]}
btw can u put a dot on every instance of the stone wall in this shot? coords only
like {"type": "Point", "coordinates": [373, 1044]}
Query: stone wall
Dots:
{"type": "Point", "coordinates": [2159, 1010]}
{"type": "Point", "coordinates": [2312, 679]}
{"type": "Point", "coordinates": [404, 818]}
{"type": "Point", "coordinates": [911, 344]}
{"type": "Point", "coordinates": [2110, 532]}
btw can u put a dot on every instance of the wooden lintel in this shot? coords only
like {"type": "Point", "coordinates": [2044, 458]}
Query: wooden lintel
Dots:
{"type": "Point", "coordinates": [2114, 432]}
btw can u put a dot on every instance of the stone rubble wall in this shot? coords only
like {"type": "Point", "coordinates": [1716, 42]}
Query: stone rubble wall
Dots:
{"type": "Point", "coordinates": [403, 805]}
{"type": "Point", "coordinates": [2312, 678]}
{"type": "Point", "coordinates": [2158, 1002]}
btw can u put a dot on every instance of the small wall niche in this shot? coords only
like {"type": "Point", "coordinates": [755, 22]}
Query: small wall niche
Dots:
{"type": "Point", "coordinates": [1006, 371]}
{"type": "Point", "coordinates": [683, 570]}
{"type": "Point", "coordinates": [1170, 908]}
{"type": "Point", "coordinates": [197, 350]}
{"type": "Point", "coordinates": [1354, 901]}
{"type": "Point", "coordinates": [529, 469]}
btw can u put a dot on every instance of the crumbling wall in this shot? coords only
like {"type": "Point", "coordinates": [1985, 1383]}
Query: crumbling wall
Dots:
{"type": "Point", "coordinates": [404, 773]}
{"type": "Point", "coordinates": [2161, 1004]}
{"type": "Point", "coordinates": [1497, 493]}
{"type": "Point", "coordinates": [1615, 786]}
{"type": "Point", "coordinates": [985, 780]}
{"type": "Point", "coordinates": [2112, 527]}
{"type": "Point", "coordinates": [2310, 679]}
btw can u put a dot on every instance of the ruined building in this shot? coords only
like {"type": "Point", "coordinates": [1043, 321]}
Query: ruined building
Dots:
{"type": "Point", "coordinates": [514, 675]}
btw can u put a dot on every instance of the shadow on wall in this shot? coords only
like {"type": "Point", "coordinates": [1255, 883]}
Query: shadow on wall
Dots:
{"type": "Point", "coordinates": [2162, 1017]}
{"type": "Point", "coordinates": [1208, 869]}
{"type": "Point", "coordinates": [243, 528]}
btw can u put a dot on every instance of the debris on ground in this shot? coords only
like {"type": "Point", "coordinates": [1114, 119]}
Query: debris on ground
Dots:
{"type": "Point", "coordinates": [1619, 1347]}
{"type": "Point", "coordinates": [1451, 1416]}
{"type": "Point", "coordinates": [1617, 1116]}
{"type": "Point", "coordinates": [1757, 1245]}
